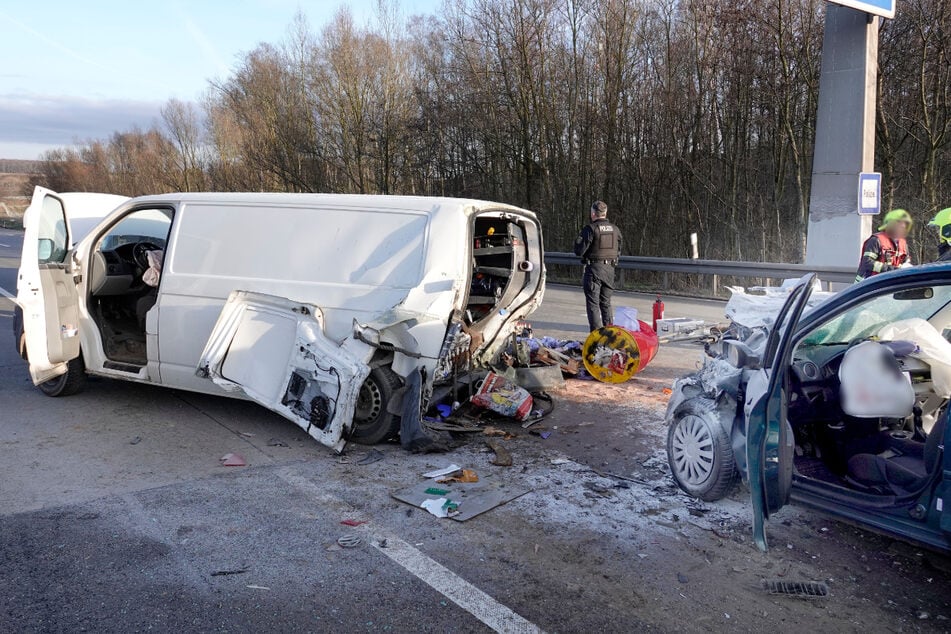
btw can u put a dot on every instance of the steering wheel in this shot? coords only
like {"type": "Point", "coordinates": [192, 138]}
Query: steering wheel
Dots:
{"type": "Point", "coordinates": [140, 253]}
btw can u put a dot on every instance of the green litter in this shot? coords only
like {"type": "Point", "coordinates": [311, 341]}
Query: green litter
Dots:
{"type": "Point", "coordinates": [435, 491]}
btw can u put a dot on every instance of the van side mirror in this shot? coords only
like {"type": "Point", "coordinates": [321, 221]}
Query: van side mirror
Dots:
{"type": "Point", "coordinates": [44, 250]}
{"type": "Point", "coordinates": [914, 293]}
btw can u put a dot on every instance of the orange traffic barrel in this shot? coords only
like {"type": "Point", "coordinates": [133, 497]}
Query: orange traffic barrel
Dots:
{"type": "Point", "coordinates": [613, 354]}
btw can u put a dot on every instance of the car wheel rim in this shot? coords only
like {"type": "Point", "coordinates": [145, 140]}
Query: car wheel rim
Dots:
{"type": "Point", "coordinates": [369, 403]}
{"type": "Point", "coordinates": [693, 450]}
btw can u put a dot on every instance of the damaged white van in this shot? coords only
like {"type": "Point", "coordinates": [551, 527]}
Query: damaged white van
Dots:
{"type": "Point", "coordinates": [317, 306]}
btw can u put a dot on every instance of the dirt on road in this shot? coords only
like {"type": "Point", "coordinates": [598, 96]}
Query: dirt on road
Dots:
{"type": "Point", "coordinates": [601, 482]}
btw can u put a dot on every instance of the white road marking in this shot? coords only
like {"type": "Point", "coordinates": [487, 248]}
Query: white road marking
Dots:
{"type": "Point", "coordinates": [468, 597]}
{"type": "Point", "coordinates": [7, 293]}
{"type": "Point", "coordinates": [4, 245]}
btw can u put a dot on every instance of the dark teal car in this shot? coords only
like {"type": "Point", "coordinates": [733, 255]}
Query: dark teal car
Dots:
{"type": "Point", "coordinates": [768, 405]}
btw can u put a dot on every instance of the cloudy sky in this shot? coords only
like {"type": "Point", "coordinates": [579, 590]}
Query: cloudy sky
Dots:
{"type": "Point", "coordinates": [71, 71]}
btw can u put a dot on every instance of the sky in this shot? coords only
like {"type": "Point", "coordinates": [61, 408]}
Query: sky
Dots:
{"type": "Point", "coordinates": [72, 71]}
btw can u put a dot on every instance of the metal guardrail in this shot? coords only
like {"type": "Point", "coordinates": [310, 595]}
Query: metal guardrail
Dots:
{"type": "Point", "coordinates": [770, 270]}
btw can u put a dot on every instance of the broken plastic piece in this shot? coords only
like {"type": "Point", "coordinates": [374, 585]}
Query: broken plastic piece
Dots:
{"type": "Point", "coordinates": [445, 471]}
{"type": "Point", "coordinates": [353, 522]}
{"type": "Point", "coordinates": [438, 507]}
{"type": "Point", "coordinates": [233, 460]}
{"type": "Point", "coordinates": [436, 491]}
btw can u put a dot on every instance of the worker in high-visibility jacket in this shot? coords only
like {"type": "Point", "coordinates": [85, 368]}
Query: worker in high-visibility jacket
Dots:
{"type": "Point", "coordinates": [886, 250]}
{"type": "Point", "coordinates": [943, 222]}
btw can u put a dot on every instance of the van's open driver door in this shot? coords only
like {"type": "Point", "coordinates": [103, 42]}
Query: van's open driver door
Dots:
{"type": "Point", "coordinates": [46, 288]}
{"type": "Point", "coordinates": [275, 351]}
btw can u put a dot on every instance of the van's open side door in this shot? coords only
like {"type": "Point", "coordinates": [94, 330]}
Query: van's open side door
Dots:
{"type": "Point", "coordinates": [769, 440]}
{"type": "Point", "coordinates": [275, 351]}
{"type": "Point", "coordinates": [46, 288]}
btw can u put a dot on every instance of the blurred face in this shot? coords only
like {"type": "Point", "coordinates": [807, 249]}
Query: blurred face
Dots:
{"type": "Point", "coordinates": [897, 230]}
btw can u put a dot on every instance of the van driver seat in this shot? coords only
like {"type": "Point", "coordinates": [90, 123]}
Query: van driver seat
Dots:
{"type": "Point", "coordinates": [902, 473]}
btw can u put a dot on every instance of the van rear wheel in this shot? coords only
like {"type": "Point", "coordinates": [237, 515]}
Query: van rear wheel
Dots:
{"type": "Point", "coordinates": [72, 382]}
{"type": "Point", "coordinates": [372, 423]}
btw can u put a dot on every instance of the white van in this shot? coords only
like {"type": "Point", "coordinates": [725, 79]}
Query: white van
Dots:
{"type": "Point", "coordinates": [317, 306]}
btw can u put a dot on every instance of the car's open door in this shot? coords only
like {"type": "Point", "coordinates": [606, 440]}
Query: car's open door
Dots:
{"type": "Point", "coordinates": [769, 439]}
{"type": "Point", "coordinates": [275, 351]}
{"type": "Point", "coordinates": [46, 288]}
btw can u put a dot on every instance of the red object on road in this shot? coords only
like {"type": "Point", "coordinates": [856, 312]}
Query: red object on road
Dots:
{"type": "Point", "coordinates": [658, 311]}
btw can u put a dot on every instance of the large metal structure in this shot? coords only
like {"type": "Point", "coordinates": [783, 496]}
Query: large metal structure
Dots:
{"type": "Point", "coordinates": [845, 133]}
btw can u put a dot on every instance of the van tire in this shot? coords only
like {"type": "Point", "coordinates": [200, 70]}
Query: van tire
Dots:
{"type": "Point", "coordinates": [699, 451]}
{"type": "Point", "coordinates": [72, 382]}
{"type": "Point", "coordinates": [372, 423]}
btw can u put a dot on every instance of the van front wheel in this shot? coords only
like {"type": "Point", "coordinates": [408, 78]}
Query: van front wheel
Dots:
{"type": "Point", "coordinates": [372, 423]}
{"type": "Point", "coordinates": [72, 382]}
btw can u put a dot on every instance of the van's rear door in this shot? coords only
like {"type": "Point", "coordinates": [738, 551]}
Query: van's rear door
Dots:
{"type": "Point", "coordinates": [275, 351]}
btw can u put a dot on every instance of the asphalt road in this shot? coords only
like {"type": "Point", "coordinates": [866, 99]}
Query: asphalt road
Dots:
{"type": "Point", "coordinates": [116, 516]}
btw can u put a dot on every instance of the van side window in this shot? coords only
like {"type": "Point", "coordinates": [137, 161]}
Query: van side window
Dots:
{"type": "Point", "coordinates": [53, 237]}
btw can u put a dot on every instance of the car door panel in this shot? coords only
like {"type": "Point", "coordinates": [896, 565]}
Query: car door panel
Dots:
{"type": "Point", "coordinates": [46, 288]}
{"type": "Point", "coordinates": [770, 444]}
{"type": "Point", "coordinates": [275, 351]}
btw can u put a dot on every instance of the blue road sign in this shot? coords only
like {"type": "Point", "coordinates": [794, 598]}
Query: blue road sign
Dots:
{"type": "Point", "coordinates": [870, 193]}
{"type": "Point", "coordinates": [884, 8]}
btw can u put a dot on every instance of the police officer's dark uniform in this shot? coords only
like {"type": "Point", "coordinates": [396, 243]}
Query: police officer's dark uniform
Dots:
{"type": "Point", "coordinates": [599, 246]}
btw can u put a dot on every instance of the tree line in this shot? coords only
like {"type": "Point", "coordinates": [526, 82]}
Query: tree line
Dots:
{"type": "Point", "coordinates": [683, 115]}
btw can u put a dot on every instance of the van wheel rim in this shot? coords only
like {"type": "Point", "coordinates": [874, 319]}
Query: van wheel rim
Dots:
{"type": "Point", "coordinates": [369, 402]}
{"type": "Point", "coordinates": [693, 450]}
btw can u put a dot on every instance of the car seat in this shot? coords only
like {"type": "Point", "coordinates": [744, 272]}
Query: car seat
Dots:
{"type": "Point", "coordinates": [900, 472]}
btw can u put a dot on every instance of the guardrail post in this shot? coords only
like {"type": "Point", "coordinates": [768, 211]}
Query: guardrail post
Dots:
{"type": "Point", "coordinates": [666, 283]}
{"type": "Point", "coordinates": [716, 284]}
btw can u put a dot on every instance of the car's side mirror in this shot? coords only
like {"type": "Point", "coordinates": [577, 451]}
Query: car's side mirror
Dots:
{"type": "Point", "coordinates": [44, 250]}
{"type": "Point", "coordinates": [914, 293]}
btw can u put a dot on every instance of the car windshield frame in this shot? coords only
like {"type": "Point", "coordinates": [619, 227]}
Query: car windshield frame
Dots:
{"type": "Point", "coordinates": [868, 317]}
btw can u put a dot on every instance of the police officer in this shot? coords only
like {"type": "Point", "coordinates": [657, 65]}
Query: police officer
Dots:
{"type": "Point", "coordinates": [599, 246]}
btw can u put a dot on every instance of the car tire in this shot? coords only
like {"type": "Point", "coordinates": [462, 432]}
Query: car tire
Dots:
{"type": "Point", "coordinates": [72, 382]}
{"type": "Point", "coordinates": [372, 422]}
{"type": "Point", "coordinates": [699, 451]}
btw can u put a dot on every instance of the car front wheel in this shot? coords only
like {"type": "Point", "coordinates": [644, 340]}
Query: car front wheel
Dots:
{"type": "Point", "coordinates": [699, 452]}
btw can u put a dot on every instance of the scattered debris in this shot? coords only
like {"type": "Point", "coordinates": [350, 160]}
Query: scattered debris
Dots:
{"type": "Point", "coordinates": [681, 577]}
{"type": "Point", "coordinates": [349, 541]}
{"type": "Point", "coordinates": [276, 442]}
{"type": "Point", "coordinates": [799, 589]}
{"type": "Point", "coordinates": [349, 522]}
{"type": "Point", "coordinates": [495, 431]}
{"type": "Point", "coordinates": [502, 456]}
{"type": "Point", "coordinates": [445, 471]}
{"type": "Point", "coordinates": [558, 461]}
{"type": "Point", "coordinates": [466, 475]}
{"type": "Point", "coordinates": [503, 397]}
{"type": "Point", "coordinates": [471, 498]}
{"type": "Point", "coordinates": [254, 587]}
{"type": "Point", "coordinates": [136, 440]}
{"type": "Point", "coordinates": [435, 491]}
{"type": "Point", "coordinates": [374, 455]}
{"type": "Point", "coordinates": [233, 460]}
{"type": "Point", "coordinates": [441, 507]}
{"type": "Point", "coordinates": [245, 434]}
{"type": "Point", "coordinates": [224, 573]}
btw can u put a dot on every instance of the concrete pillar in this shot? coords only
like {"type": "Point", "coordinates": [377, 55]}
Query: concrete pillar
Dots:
{"type": "Point", "coordinates": [845, 137]}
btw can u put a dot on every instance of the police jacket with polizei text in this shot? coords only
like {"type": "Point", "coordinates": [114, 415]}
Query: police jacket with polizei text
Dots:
{"type": "Point", "coordinates": [599, 241]}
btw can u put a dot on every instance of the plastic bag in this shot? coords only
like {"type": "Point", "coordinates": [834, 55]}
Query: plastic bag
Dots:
{"type": "Point", "coordinates": [626, 317]}
{"type": "Point", "coordinates": [503, 397]}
